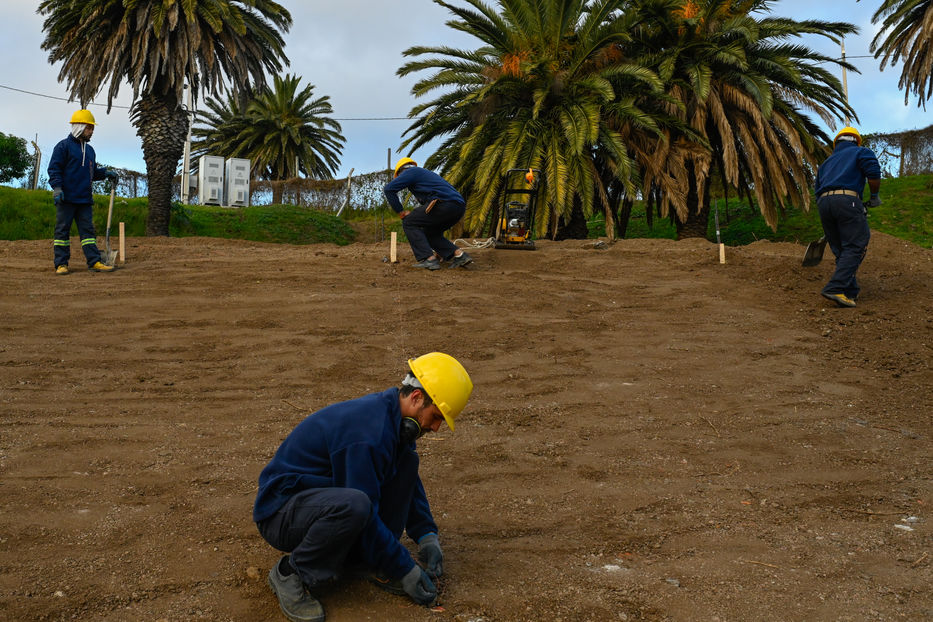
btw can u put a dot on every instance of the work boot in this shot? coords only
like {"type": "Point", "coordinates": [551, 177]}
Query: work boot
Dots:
{"type": "Point", "coordinates": [62, 269]}
{"type": "Point", "coordinates": [294, 600]}
{"type": "Point", "coordinates": [431, 263]}
{"type": "Point", "coordinates": [840, 299]}
{"type": "Point", "coordinates": [458, 261]}
{"type": "Point", "coordinates": [101, 267]}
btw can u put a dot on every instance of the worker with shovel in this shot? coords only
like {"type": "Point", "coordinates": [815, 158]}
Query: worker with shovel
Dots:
{"type": "Point", "coordinates": [840, 182]}
{"type": "Point", "coordinates": [72, 168]}
{"type": "Point", "coordinates": [344, 485]}
{"type": "Point", "coordinates": [441, 207]}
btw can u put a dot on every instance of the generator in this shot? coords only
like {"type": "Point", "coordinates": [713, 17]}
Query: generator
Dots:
{"type": "Point", "coordinates": [515, 225]}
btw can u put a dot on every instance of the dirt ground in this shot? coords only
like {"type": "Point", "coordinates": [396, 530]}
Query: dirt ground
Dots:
{"type": "Point", "coordinates": [652, 436]}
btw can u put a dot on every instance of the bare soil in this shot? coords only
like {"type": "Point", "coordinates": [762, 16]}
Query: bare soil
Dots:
{"type": "Point", "coordinates": [653, 435]}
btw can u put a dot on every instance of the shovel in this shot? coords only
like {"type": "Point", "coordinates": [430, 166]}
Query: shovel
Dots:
{"type": "Point", "coordinates": [110, 255]}
{"type": "Point", "coordinates": [814, 254]}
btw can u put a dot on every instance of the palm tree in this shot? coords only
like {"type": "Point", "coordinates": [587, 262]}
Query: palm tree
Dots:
{"type": "Point", "coordinates": [744, 89]}
{"type": "Point", "coordinates": [907, 34]}
{"type": "Point", "coordinates": [158, 46]}
{"type": "Point", "coordinates": [284, 133]}
{"type": "Point", "coordinates": [534, 94]}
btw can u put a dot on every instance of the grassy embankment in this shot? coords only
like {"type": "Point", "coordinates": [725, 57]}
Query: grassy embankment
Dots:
{"type": "Point", "coordinates": [907, 213]}
{"type": "Point", "coordinates": [30, 215]}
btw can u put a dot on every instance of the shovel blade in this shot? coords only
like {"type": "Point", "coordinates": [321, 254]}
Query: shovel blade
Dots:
{"type": "Point", "coordinates": [814, 254]}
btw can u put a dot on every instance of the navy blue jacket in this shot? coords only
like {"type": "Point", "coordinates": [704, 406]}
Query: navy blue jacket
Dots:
{"type": "Point", "coordinates": [352, 444]}
{"type": "Point", "coordinates": [847, 168]}
{"type": "Point", "coordinates": [73, 171]}
{"type": "Point", "coordinates": [425, 185]}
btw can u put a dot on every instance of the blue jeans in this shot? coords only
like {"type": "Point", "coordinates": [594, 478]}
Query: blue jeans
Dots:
{"type": "Point", "coordinates": [845, 225]}
{"type": "Point", "coordinates": [83, 215]}
{"type": "Point", "coordinates": [425, 231]}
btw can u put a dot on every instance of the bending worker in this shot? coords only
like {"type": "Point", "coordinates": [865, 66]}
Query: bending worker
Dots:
{"type": "Point", "coordinates": [441, 207]}
{"type": "Point", "coordinates": [72, 168]}
{"type": "Point", "coordinates": [344, 485]}
{"type": "Point", "coordinates": [840, 183]}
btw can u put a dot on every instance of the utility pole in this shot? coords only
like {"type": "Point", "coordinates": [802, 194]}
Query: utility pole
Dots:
{"type": "Point", "coordinates": [36, 163]}
{"type": "Point", "coordinates": [845, 84]}
{"type": "Point", "coordinates": [186, 162]}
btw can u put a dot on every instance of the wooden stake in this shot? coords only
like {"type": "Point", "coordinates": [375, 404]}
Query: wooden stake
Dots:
{"type": "Point", "coordinates": [722, 253]}
{"type": "Point", "coordinates": [748, 561]}
{"type": "Point", "coordinates": [122, 243]}
{"type": "Point", "coordinates": [393, 248]}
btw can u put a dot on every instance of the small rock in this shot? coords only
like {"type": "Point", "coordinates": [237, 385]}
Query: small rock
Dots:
{"type": "Point", "coordinates": [673, 582]}
{"type": "Point", "coordinates": [252, 572]}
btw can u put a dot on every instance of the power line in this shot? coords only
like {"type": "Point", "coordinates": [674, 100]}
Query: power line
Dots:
{"type": "Point", "coordinates": [64, 99]}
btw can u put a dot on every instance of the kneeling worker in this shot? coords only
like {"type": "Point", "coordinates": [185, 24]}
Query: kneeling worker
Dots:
{"type": "Point", "coordinates": [441, 207]}
{"type": "Point", "coordinates": [344, 485]}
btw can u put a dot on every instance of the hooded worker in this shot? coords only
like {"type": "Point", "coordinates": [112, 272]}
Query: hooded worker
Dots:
{"type": "Point", "coordinates": [344, 485]}
{"type": "Point", "coordinates": [441, 207]}
{"type": "Point", "coordinates": [72, 168]}
{"type": "Point", "coordinates": [840, 184]}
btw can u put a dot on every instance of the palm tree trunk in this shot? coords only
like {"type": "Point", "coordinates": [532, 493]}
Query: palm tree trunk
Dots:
{"type": "Point", "coordinates": [162, 124]}
{"type": "Point", "coordinates": [625, 214]}
{"type": "Point", "coordinates": [575, 227]}
{"type": "Point", "coordinates": [697, 221]}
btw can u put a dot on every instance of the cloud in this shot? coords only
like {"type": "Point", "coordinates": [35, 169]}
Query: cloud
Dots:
{"type": "Point", "coordinates": [350, 51]}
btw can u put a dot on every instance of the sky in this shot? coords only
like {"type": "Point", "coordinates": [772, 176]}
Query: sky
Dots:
{"type": "Point", "coordinates": [350, 51]}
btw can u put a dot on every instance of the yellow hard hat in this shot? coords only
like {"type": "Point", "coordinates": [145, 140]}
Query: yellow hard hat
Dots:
{"type": "Point", "coordinates": [401, 163]}
{"type": "Point", "coordinates": [446, 382]}
{"type": "Point", "coordinates": [849, 131]}
{"type": "Point", "coordinates": [83, 116]}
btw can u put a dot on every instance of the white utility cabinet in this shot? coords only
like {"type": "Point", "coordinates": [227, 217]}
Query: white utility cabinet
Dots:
{"type": "Point", "coordinates": [211, 180]}
{"type": "Point", "coordinates": [236, 173]}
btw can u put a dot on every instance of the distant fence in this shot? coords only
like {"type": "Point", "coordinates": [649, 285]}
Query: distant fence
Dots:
{"type": "Point", "coordinates": [903, 153]}
{"type": "Point", "coordinates": [365, 190]}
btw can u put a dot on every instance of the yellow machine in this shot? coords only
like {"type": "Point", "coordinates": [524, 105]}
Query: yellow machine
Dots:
{"type": "Point", "coordinates": [515, 226]}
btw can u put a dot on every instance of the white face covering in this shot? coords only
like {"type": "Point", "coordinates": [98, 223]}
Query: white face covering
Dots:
{"type": "Point", "coordinates": [77, 129]}
{"type": "Point", "coordinates": [411, 381]}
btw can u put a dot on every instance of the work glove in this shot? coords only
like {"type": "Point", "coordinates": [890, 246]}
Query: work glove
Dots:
{"type": "Point", "coordinates": [58, 195]}
{"type": "Point", "coordinates": [431, 556]}
{"type": "Point", "coordinates": [111, 176]}
{"type": "Point", "coordinates": [419, 586]}
{"type": "Point", "coordinates": [874, 200]}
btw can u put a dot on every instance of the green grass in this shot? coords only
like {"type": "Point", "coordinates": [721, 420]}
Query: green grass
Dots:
{"type": "Point", "coordinates": [905, 213]}
{"type": "Point", "coordinates": [30, 215]}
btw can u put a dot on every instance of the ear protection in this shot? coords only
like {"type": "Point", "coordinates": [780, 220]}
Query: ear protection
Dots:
{"type": "Point", "coordinates": [409, 431]}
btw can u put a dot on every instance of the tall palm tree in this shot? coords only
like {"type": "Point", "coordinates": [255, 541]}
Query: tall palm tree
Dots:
{"type": "Point", "coordinates": [907, 34]}
{"type": "Point", "coordinates": [534, 94]}
{"type": "Point", "coordinates": [745, 90]}
{"type": "Point", "coordinates": [158, 46]}
{"type": "Point", "coordinates": [283, 132]}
